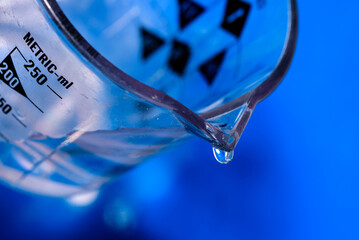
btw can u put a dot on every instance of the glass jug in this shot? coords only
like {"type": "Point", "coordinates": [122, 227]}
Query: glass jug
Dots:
{"type": "Point", "coordinates": [90, 89]}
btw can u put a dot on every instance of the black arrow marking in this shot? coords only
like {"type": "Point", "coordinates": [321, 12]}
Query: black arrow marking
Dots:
{"type": "Point", "coordinates": [180, 55]}
{"type": "Point", "coordinates": [235, 17]}
{"type": "Point", "coordinates": [9, 64]}
{"type": "Point", "coordinates": [189, 11]}
{"type": "Point", "coordinates": [151, 43]}
{"type": "Point", "coordinates": [211, 67]}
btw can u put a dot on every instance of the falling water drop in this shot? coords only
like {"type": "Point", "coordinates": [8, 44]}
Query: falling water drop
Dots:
{"type": "Point", "coordinates": [223, 157]}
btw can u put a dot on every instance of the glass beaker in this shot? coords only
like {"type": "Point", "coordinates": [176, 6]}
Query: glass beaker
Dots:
{"type": "Point", "coordinates": [89, 89]}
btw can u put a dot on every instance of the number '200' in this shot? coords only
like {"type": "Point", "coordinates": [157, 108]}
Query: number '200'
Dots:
{"type": "Point", "coordinates": [8, 75]}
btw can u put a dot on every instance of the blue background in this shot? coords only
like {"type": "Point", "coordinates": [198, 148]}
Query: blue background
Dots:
{"type": "Point", "coordinates": [295, 174]}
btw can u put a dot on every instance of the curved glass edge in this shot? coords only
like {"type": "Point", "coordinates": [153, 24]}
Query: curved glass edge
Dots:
{"type": "Point", "coordinates": [255, 96]}
{"type": "Point", "coordinates": [193, 122]}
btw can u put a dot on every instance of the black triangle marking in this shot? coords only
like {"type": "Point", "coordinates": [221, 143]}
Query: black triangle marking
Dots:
{"type": "Point", "coordinates": [189, 11]}
{"type": "Point", "coordinates": [180, 55]}
{"type": "Point", "coordinates": [10, 67]}
{"type": "Point", "coordinates": [210, 68]}
{"type": "Point", "coordinates": [151, 43]}
{"type": "Point", "coordinates": [236, 16]}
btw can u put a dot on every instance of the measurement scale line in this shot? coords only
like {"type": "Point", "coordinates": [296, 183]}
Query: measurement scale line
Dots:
{"type": "Point", "coordinates": [12, 50]}
{"type": "Point", "coordinates": [35, 105]}
{"type": "Point", "coordinates": [19, 121]}
{"type": "Point", "coordinates": [20, 53]}
{"type": "Point", "coordinates": [54, 91]}
{"type": "Point", "coordinates": [3, 137]}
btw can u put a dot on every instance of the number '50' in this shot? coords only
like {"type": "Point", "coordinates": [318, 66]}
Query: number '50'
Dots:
{"type": "Point", "coordinates": [5, 108]}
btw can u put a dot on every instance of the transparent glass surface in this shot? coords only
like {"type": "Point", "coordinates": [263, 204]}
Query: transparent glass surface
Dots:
{"type": "Point", "coordinates": [202, 52]}
{"type": "Point", "coordinates": [90, 89]}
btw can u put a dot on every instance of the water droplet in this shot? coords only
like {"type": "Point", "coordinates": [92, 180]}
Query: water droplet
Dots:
{"type": "Point", "coordinates": [223, 156]}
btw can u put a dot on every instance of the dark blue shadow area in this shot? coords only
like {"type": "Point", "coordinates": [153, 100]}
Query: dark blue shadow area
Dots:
{"type": "Point", "coordinates": [295, 174]}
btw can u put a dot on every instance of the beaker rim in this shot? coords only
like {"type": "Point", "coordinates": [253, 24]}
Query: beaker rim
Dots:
{"type": "Point", "coordinates": [161, 99]}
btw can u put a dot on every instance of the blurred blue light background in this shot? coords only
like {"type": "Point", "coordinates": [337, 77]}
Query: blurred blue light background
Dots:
{"type": "Point", "coordinates": [294, 176]}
